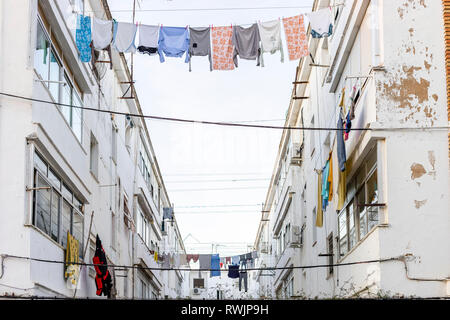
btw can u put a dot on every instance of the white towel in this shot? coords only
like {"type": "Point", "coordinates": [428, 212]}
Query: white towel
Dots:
{"type": "Point", "coordinates": [320, 21]}
{"type": "Point", "coordinates": [101, 33]}
{"type": "Point", "coordinates": [124, 35]}
{"type": "Point", "coordinates": [148, 36]}
{"type": "Point", "coordinates": [270, 33]}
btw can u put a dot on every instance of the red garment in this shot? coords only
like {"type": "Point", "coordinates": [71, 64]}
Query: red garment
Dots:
{"type": "Point", "coordinates": [102, 277]}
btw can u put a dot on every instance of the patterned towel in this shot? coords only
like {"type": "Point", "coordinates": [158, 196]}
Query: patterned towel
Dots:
{"type": "Point", "coordinates": [294, 29]}
{"type": "Point", "coordinates": [222, 48]}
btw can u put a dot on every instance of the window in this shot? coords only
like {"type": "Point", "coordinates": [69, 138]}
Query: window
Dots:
{"type": "Point", "coordinates": [54, 76]}
{"type": "Point", "coordinates": [145, 167]}
{"type": "Point", "coordinates": [143, 226]}
{"type": "Point", "coordinates": [93, 165]}
{"type": "Point", "coordinates": [289, 287]}
{"type": "Point", "coordinates": [358, 217]}
{"type": "Point", "coordinates": [330, 253]}
{"type": "Point", "coordinates": [56, 210]}
{"type": "Point", "coordinates": [199, 283]}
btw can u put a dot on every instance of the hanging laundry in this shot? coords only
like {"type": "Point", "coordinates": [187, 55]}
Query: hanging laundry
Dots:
{"type": "Point", "coordinates": [330, 178]}
{"type": "Point", "coordinates": [352, 103]}
{"type": "Point", "coordinates": [155, 257]}
{"type": "Point", "coordinates": [222, 48]}
{"type": "Point", "coordinates": [235, 259]}
{"type": "Point", "coordinates": [102, 32]}
{"type": "Point", "coordinates": [173, 42]}
{"type": "Point", "coordinates": [172, 259]}
{"type": "Point", "coordinates": [215, 265]}
{"type": "Point", "coordinates": [342, 100]}
{"type": "Point", "coordinates": [342, 189]}
{"type": "Point", "coordinates": [347, 126]}
{"type": "Point", "coordinates": [200, 44]}
{"type": "Point", "coordinates": [102, 277]}
{"type": "Point", "coordinates": [124, 35]}
{"type": "Point", "coordinates": [166, 261]}
{"type": "Point", "coordinates": [183, 259]}
{"type": "Point", "coordinates": [270, 34]}
{"type": "Point", "coordinates": [248, 256]}
{"type": "Point", "coordinates": [325, 185]}
{"type": "Point", "coordinates": [205, 261]}
{"type": "Point", "coordinates": [319, 211]}
{"type": "Point", "coordinates": [227, 260]}
{"type": "Point", "coordinates": [168, 213]}
{"type": "Point", "coordinates": [246, 43]}
{"type": "Point", "coordinates": [83, 37]}
{"type": "Point", "coordinates": [148, 39]}
{"type": "Point", "coordinates": [296, 40]}
{"type": "Point", "coordinates": [320, 22]}
{"type": "Point", "coordinates": [72, 271]}
{"type": "Point", "coordinates": [193, 257]}
{"type": "Point", "coordinates": [243, 275]}
{"type": "Point", "coordinates": [254, 254]}
{"type": "Point", "coordinates": [340, 144]}
{"type": "Point", "coordinates": [233, 271]}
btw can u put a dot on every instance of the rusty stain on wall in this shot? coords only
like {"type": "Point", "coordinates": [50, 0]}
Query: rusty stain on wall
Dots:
{"type": "Point", "coordinates": [408, 88]}
{"type": "Point", "coordinates": [418, 204]}
{"type": "Point", "coordinates": [417, 170]}
{"type": "Point", "coordinates": [404, 8]}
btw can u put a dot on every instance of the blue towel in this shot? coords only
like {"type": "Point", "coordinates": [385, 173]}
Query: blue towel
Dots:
{"type": "Point", "coordinates": [215, 264]}
{"type": "Point", "coordinates": [83, 37]}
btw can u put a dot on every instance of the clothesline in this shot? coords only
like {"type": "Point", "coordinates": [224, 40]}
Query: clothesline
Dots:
{"type": "Point", "coordinates": [222, 44]}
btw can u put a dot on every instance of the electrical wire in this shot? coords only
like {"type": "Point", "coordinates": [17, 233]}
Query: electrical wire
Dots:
{"type": "Point", "coordinates": [216, 122]}
{"type": "Point", "coordinates": [216, 189]}
{"type": "Point", "coordinates": [207, 9]}
{"type": "Point", "coordinates": [227, 180]}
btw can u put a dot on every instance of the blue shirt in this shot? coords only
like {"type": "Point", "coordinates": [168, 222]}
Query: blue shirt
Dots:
{"type": "Point", "coordinates": [173, 42]}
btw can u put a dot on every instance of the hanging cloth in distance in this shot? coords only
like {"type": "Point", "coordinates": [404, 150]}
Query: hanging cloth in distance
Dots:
{"type": "Point", "coordinates": [297, 43]}
{"type": "Point", "coordinates": [173, 42]}
{"type": "Point", "coordinates": [148, 39]}
{"type": "Point", "coordinates": [320, 21]}
{"type": "Point", "coordinates": [200, 44]}
{"type": "Point", "coordinates": [83, 37]}
{"type": "Point", "coordinates": [270, 34]}
{"type": "Point", "coordinates": [215, 265]}
{"type": "Point", "coordinates": [101, 33]}
{"type": "Point", "coordinates": [340, 144]}
{"type": "Point", "coordinates": [342, 189]}
{"type": "Point", "coordinates": [222, 48]}
{"type": "Point", "coordinates": [124, 35]}
{"type": "Point", "coordinates": [319, 211]}
{"type": "Point", "coordinates": [205, 261]}
{"type": "Point", "coordinates": [233, 271]}
{"type": "Point", "coordinates": [246, 43]}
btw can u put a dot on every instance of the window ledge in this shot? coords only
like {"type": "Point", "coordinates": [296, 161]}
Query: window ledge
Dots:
{"type": "Point", "coordinates": [32, 226]}
{"type": "Point", "coordinates": [94, 176]}
{"type": "Point", "coordinates": [381, 225]}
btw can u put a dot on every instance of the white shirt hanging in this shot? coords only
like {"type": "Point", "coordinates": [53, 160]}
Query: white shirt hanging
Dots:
{"type": "Point", "coordinates": [101, 33]}
{"type": "Point", "coordinates": [270, 34]}
{"type": "Point", "coordinates": [124, 35]}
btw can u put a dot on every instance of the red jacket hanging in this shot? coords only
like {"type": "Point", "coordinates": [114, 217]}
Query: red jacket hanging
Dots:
{"type": "Point", "coordinates": [102, 277]}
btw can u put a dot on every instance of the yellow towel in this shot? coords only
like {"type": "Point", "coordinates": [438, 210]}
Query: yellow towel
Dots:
{"type": "Point", "coordinates": [319, 215]}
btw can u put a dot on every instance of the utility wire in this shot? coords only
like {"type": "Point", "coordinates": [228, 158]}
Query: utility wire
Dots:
{"type": "Point", "coordinates": [208, 9]}
{"type": "Point", "coordinates": [226, 180]}
{"type": "Point", "coordinates": [218, 123]}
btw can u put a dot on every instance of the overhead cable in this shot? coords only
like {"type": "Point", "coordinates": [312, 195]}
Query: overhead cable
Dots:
{"type": "Point", "coordinates": [220, 123]}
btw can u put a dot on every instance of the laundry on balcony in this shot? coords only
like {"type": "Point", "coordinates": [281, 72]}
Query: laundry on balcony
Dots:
{"type": "Point", "coordinates": [103, 280]}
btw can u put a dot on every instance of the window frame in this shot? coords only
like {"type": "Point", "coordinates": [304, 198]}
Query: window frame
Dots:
{"type": "Point", "coordinates": [38, 174]}
{"type": "Point", "coordinates": [64, 80]}
{"type": "Point", "coordinates": [352, 206]}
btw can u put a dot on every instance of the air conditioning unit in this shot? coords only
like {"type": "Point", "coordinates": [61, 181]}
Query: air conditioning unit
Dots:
{"type": "Point", "coordinates": [264, 247]}
{"type": "Point", "coordinates": [196, 291]}
{"type": "Point", "coordinates": [296, 236]}
{"type": "Point", "coordinates": [296, 158]}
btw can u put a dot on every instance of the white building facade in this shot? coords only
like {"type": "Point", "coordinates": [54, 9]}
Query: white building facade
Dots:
{"type": "Point", "coordinates": [65, 169]}
{"type": "Point", "coordinates": [395, 208]}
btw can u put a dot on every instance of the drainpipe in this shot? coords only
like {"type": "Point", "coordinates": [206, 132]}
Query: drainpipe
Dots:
{"type": "Point", "coordinates": [376, 38]}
